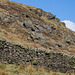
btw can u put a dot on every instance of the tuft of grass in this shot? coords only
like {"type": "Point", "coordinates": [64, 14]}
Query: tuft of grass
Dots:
{"type": "Point", "coordinates": [11, 69]}
{"type": "Point", "coordinates": [30, 70]}
{"type": "Point", "coordinates": [2, 66]}
{"type": "Point", "coordinates": [41, 69]}
{"type": "Point", "coordinates": [3, 72]}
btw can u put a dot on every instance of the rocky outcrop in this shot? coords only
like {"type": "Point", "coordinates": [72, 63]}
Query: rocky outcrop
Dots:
{"type": "Point", "coordinates": [36, 26]}
{"type": "Point", "coordinates": [17, 54]}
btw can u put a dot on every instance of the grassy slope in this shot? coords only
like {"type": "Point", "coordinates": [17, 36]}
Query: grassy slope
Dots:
{"type": "Point", "coordinates": [8, 69]}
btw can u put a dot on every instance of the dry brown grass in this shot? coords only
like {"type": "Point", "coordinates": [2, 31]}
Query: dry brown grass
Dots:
{"type": "Point", "coordinates": [11, 37]}
{"type": "Point", "coordinates": [27, 70]}
{"type": "Point", "coordinates": [18, 39]}
{"type": "Point", "coordinates": [20, 68]}
{"type": "Point", "coordinates": [3, 72]}
{"type": "Point", "coordinates": [54, 73]}
{"type": "Point", "coordinates": [41, 69]}
{"type": "Point", "coordinates": [30, 70]}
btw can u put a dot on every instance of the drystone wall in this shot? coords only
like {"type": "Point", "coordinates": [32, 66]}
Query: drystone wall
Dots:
{"type": "Point", "coordinates": [17, 54]}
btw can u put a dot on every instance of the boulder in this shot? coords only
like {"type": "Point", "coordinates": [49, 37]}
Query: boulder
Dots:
{"type": "Point", "coordinates": [3, 40]}
{"type": "Point", "coordinates": [39, 35]}
{"type": "Point", "coordinates": [68, 40]}
{"type": "Point", "coordinates": [27, 24]}
{"type": "Point", "coordinates": [62, 23]}
{"type": "Point", "coordinates": [49, 17]}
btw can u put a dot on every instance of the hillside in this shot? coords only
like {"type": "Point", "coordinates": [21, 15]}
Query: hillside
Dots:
{"type": "Point", "coordinates": [23, 27]}
{"type": "Point", "coordinates": [30, 26]}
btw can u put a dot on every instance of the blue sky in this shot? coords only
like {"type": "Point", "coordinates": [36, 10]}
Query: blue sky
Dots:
{"type": "Point", "coordinates": [63, 9]}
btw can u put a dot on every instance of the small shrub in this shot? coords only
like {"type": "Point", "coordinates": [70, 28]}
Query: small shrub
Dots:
{"type": "Point", "coordinates": [21, 67]}
{"type": "Point", "coordinates": [41, 69]}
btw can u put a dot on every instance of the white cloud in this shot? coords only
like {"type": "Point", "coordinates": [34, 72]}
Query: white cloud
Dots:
{"type": "Point", "coordinates": [69, 24]}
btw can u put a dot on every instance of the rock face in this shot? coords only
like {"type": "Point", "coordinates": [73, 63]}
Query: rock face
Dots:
{"type": "Point", "coordinates": [17, 54]}
{"type": "Point", "coordinates": [36, 30]}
